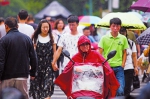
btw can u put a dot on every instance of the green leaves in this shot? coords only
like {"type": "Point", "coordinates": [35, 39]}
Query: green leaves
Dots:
{"type": "Point", "coordinates": [77, 7]}
{"type": "Point", "coordinates": [32, 6]}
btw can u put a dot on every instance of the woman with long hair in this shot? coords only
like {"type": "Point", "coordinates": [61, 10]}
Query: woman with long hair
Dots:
{"type": "Point", "coordinates": [42, 86]}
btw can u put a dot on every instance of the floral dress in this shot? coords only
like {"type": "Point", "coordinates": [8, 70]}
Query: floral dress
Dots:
{"type": "Point", "coordinates": [42, 86]}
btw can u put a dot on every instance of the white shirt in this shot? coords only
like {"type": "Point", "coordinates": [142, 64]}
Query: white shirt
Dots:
{"type": "Point", "coordinates": [129, 60]}
{"type": "Point", "coordinates": [56, 34]}
{"type": "Point", "coordinates": [69, 43]}
{"type": "Point", "coordinates": [44, 39]}
{"type": "Point", "coordinates": [26, 29]}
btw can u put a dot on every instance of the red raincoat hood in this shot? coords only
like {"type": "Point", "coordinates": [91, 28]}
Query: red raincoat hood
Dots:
{"type": "Point", "coordinates": [84, 39]}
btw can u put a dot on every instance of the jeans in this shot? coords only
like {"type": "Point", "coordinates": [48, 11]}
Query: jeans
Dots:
{"type": "Point", "coordinates": [119, 73]}
{"type": "Point", "coordinates": [128, 81]}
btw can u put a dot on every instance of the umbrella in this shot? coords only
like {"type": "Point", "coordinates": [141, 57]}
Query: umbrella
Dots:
{"type": "Point", "coordinates": [88, 20]}
{"type": "Point", "coordinates": [146, 17]}
{"type": "Point", "coordinates": [144, 38]}
{"type": "Point", "coordinates": [129, 20]}
{"type": "Point", "coordinates": [4, 2]}
{"type": "Point", "coordinates": [142, 5]}
{"type": "Point", "coordinates": [136, 14]}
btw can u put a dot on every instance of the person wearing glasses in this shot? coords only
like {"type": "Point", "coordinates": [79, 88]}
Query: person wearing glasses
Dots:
{"type": "Point", "coordinates": [98, 85]}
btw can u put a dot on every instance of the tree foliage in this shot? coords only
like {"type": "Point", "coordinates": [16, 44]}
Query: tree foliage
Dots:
{"type": "Point", "coordinates": [124, 5]}
{"type": "Point", "coordinates": [77, 7]}
{"type": "Point", "coordinates": [32, 6]}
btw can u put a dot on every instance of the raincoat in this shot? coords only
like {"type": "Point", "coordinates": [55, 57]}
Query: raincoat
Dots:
{"type": "Point", "coordinates": [64, 81]}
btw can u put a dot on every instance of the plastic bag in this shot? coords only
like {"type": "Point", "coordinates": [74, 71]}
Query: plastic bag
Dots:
{"type": "Point", "coordinates": [143, 62]}
{"type": "Point", "coordinates": [88, 77]}
{"type": "Point", "coordinates": [136, 82]}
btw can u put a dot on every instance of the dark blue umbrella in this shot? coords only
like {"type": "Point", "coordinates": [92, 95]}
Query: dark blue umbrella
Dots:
{"type": "Point", "coordinates": [144, 38]}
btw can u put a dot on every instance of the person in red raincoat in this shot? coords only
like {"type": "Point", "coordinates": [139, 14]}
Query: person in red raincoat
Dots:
{"type": "Point", "coordinates": [86, 55]}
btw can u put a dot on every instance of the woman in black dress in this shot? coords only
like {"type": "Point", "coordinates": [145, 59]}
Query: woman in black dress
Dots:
{"type": "Point", "coordinates": [42, 87]}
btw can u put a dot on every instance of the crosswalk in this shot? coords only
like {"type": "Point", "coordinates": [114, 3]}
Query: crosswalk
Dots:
{"type": "Point", "coordinates": [58, 94]}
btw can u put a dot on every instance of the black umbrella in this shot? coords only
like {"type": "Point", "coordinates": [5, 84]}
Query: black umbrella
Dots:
{"type": "Point", "coordinates": [54, 9]}
{"type": "Point", "coordinates": [144, 38]}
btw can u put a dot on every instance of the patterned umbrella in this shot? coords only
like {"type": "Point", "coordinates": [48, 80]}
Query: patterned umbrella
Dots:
{"type": "Point", "coordinates": [88, 20]}
{"type": "Point", "coordinates": [129, 20]}
{"type": "Point", "coordinates": [144, 38]}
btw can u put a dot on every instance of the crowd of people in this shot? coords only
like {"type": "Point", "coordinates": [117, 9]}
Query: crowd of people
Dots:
{"type": "Point", "coordinates": [27, 48]}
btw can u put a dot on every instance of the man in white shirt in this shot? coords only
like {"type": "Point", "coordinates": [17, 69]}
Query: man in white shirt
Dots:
{"type": "Point", "coordinates": [68, 41]}
{"type": "Point", "coordinates": [23, 27]}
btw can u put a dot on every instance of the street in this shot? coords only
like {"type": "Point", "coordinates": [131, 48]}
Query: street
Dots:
{"type": "Point", "coordinates": [58, 94]}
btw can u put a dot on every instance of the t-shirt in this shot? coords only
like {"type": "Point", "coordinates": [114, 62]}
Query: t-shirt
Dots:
{"type": "Point", "coordinates": [26, 29]}
{"type": "Point", "coordinates": [108, 43]}
{"type": "Point", "coordinates": [57, 35]}
{"type": "Point", "coordinates": [44, 39]}
{"type": "Point", "coordinates": [69, 42]}
{"type": "Point", "coordinates": [129, 63]}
